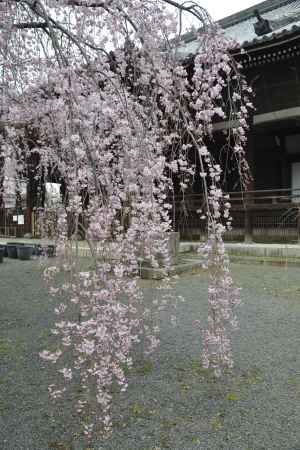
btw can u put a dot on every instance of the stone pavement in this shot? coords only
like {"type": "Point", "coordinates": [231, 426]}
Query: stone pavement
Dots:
{"type": "Point", "coordinates": [238, 252]}
{"type": "Point", "coordinates": [234, 248]}
{"type": "Point", "coordinates": [255, 249]}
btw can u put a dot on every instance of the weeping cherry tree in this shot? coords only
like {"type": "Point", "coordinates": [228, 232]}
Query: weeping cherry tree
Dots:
{"type": "Point", "coordinates": [96, 93]}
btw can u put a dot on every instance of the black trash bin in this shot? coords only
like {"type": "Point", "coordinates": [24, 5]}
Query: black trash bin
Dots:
{"type": "Point", "coordinates": [24, 252]}
{"type": "Point", "coordinates": [4, 248]}
{"type": "Point", "coordinates": [12, 251]}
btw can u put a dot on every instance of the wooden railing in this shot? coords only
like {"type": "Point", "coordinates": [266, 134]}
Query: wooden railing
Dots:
{"type": "Point", "coordinates": [8, 232]}
{"type": "Point", "coordinates": [266, 197]}
{"type": "Point", "coordinates": [10, 226]}
{"type": "Point", "coordinates": [256, 214]}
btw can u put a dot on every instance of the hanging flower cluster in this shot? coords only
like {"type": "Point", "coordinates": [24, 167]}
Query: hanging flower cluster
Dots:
{"type": "Point", "coordinates": [94, 93]}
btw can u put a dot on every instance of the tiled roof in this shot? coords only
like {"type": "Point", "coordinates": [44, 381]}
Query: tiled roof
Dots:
{"type": "Point", "coordinates": [284, 17]}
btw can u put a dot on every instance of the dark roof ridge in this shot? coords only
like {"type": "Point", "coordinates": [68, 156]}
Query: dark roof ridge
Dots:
{"type": "Point", "coordinates": [263, 7]}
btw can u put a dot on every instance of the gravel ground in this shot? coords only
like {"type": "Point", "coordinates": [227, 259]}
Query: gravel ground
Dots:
{"type": "Point", "coordinates": [171, 402]}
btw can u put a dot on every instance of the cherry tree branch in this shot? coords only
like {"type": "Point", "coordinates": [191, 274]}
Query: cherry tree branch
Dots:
{"type": "Point", "coordinates": [29, 25]}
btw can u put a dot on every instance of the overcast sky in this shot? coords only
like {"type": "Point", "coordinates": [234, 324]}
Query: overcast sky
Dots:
{"type": "Point", "coordinates": [222, 8]}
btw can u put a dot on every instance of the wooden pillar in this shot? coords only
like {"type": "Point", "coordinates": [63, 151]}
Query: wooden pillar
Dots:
{"type": "Point", "coordinates": [248, 221]}
{"type": "Point", "coordinates": [298, 225]}
{"type": "Point", "coordinates": [32, 224]}
{"type": "Point", "coordinates": [248, 236]}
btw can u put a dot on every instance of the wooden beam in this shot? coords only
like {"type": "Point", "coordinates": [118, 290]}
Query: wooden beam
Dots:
{"type": "Point", "coordinates": [274, 116]}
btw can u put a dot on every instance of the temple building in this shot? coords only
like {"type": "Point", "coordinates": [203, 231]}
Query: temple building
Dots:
{"type": "Point", "coordinates": [269, 33]}
{"type": "Point", "coordinates": [269, 210]}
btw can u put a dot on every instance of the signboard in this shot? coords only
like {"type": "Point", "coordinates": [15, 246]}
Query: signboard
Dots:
{"type": "Point", "coordinates": [23, 193]}
{"type": "Point", "coordinates": [21, 220]}
{"type": "Point", "coordinates": [9, 184]}
{"type": "Point", "coordinates": [52, 194]}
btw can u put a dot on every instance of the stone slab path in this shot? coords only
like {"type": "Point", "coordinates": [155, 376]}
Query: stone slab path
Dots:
{"type": "Point", "coordinates": [171, 402]}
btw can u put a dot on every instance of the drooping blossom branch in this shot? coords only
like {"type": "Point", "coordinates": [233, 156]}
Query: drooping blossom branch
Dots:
{"type": "Point", "coordinates": [110, 111]}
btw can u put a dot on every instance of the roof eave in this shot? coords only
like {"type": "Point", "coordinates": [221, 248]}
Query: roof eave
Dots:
{"type": "Point", "coordinates": [273, 39]}
{"type": "Point", "coordinates": [263, 8]}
